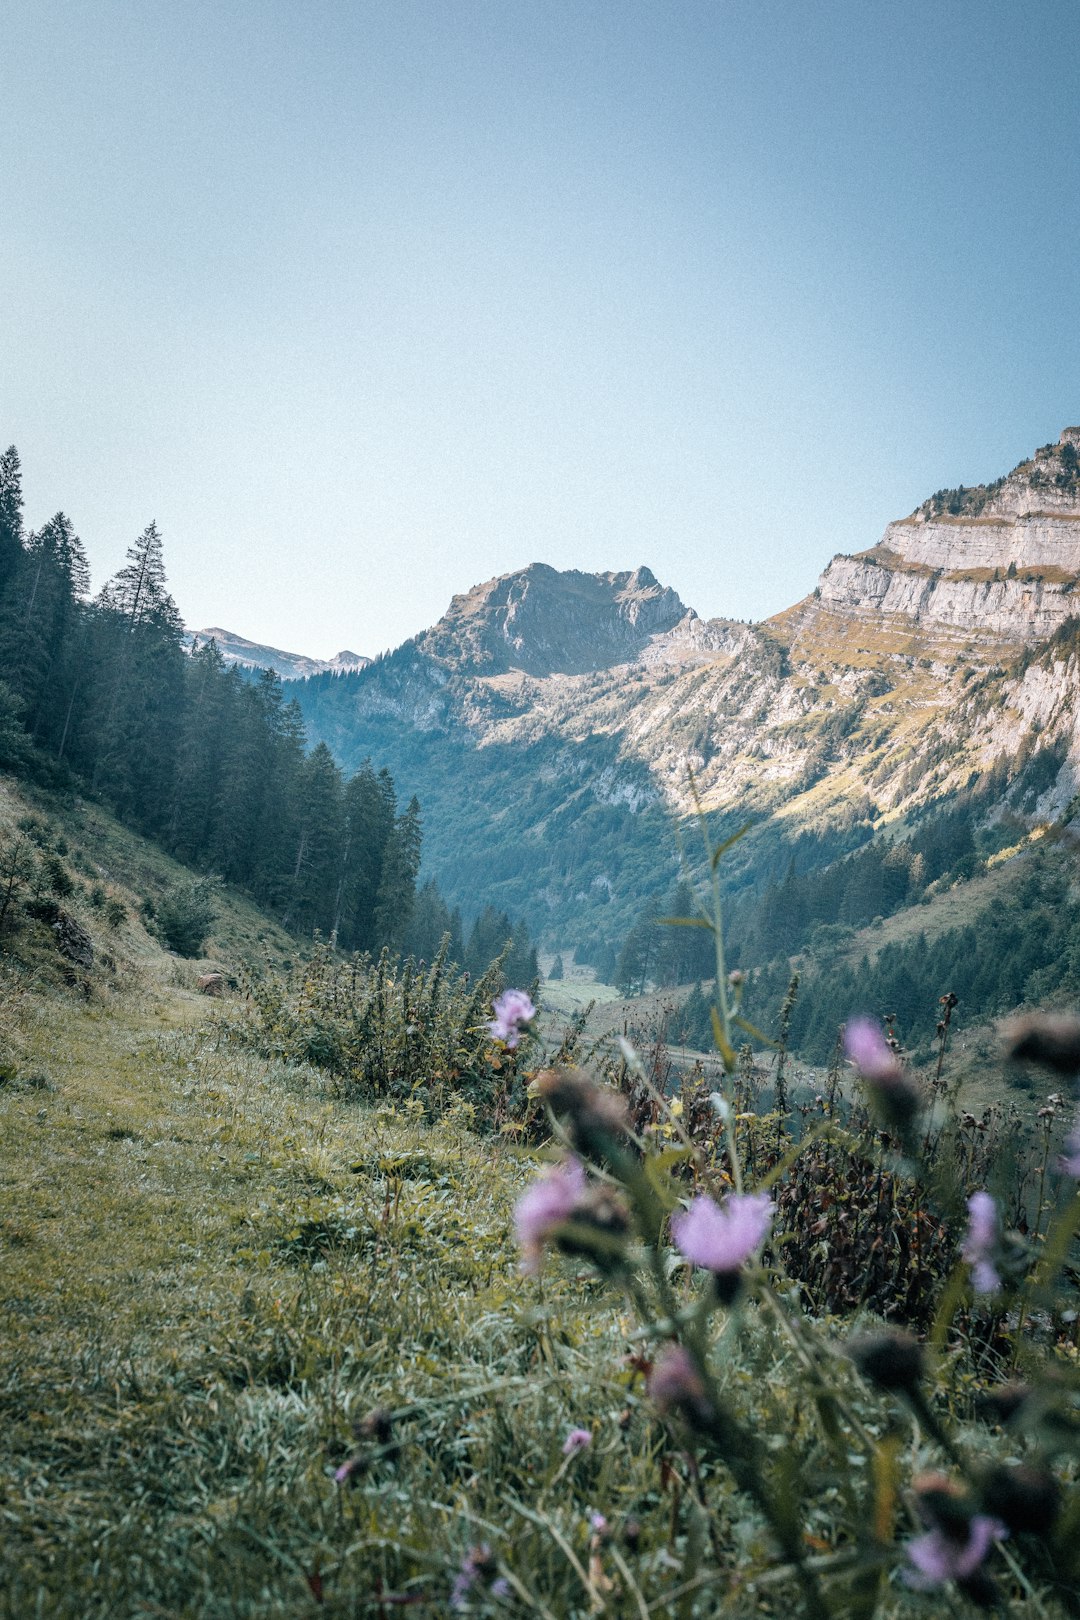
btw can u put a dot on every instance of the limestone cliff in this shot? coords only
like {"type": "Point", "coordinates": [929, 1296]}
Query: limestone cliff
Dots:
{"type": "Point", "coordinates": [999, 562]}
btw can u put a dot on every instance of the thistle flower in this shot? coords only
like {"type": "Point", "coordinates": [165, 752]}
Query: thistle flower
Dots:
{"type": "Point", "coordinates": [892, 1361]}
{"type": "Point", "coordinates": [721, 1238]}
{"type": "Point", "coordinates": [870, 1052]}
{"type": "Point", "coordinates": [478, 1565]}
{"type": "Point", "coordinates": [512, 1009]}
{"type": "Point", "coordinates": [1024, 1497]}
{"type": "Point", "coordinates": [576, 1440]}
{"type": "Point", "coordinates": [1052, 1039]}
{"type": "Point", "coordinates": [896, 1098]}
{"type": "Point", "coordinates": [544, 1206]}
{"type": "Point", "coordinates": [675, 1383]}
{"type": "Point", "coordinates": [595, 1116]}
{"type": "Point", "coordinates": [981, 1242]}
{"type": "Point", "coordinates": [937, 1557]}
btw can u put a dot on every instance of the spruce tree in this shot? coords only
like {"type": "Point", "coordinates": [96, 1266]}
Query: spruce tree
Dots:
{"type": "Point", "coordinates": [11, 505]}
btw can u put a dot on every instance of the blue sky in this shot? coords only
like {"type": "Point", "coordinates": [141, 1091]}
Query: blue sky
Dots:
{"type": "Point", "coordinates": [365, 303]}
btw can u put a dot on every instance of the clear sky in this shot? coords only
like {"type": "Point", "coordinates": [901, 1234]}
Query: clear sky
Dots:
{"type": "Point", "coordinates": [365, 301]}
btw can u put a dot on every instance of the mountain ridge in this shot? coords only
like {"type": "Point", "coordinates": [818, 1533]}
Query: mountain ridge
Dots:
{"type": "Point", "coordinates": [886, 690]}
{"type": "Point", "coordinates": [237, 649]}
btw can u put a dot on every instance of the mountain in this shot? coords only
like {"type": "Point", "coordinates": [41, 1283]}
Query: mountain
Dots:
{"type": "Point", "coordinates": [551, 722]}
{"type": "Point", "coordinates": [253, 655]}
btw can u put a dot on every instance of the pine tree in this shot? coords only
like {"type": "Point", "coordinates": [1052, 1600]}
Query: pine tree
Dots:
{"type": "Point", "coordinates": [316, 870]}
{"type": "Point", "coordinates": [397, 882]}
{"type": "Point", "coordinates": [11, 504]}
{"type": "Point", "coordinates": [139, 664]}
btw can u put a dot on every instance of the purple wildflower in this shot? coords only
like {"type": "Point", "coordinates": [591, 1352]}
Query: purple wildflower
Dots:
{"type": "Point", "coordinates": [1070, 1159]}
{"type": "Point", "coordinates": [722, 1238]}
{"type": "Point", "coordinates": [870, 1052]}
{"type": "Point", "coordinates": [981, 1242]}
{"type": "Point", "coordinates": [478, 1563]}
{"type": "Point", "coordinates": [343, 1474]}
{"type": "Point", "coordinates": [545, 1205]}
{"type": "Point", "coordinates": [512, 1009]}
{"type": "Point", "coordinates": [598, 1524]}
{"type": "Point", "coordinates": [576, 1440]}
{"type": "Point", "coordinates": [938, 1558]}
{"type": "Point", "coordinates": [674, 1382]}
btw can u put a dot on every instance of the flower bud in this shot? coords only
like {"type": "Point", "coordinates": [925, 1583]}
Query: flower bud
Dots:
{"type": "Point", "coordinates": [675, 1385]}
{"type": "Point", "coordinates": [1023, 1497]}
{"type": "Point", "coordinates": [1050, 1039]}
{"type": "Point", "coordinates": [596, 1116]}
{"type": "Point", "coordinates": [892, 1361]}
{"type": "Point", "coordinates": [944, 1504]}
{"type": "Point", "coordinates": [1000, 1405]}
{"type": "Point", "coordinates": [596, 1229]}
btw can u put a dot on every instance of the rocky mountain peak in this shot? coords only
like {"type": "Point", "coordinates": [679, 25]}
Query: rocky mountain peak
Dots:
{"type": "Point", "coordinates": [545, 621]}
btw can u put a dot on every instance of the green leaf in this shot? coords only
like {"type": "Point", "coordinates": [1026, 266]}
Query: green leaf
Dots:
{"type": "Point", "coordinates": [722, 849]}
{"type": "Point", "coordinates": [751, 1029]}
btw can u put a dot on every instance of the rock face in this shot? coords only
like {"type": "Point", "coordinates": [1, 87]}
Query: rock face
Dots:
{"type": "Point", "coordinates": [544, 622]}
{"type": "Point", "coordinates": [999, 562]}
{"type": "Point", "coordinates": [550, 721]}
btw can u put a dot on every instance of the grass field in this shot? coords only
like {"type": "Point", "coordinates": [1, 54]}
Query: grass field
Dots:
{"type": "Point", "coordinates": [223, 1286]}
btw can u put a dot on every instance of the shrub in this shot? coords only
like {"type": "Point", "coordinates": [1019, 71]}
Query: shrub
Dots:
{"type": "Point", "coordinates": [185, 915]}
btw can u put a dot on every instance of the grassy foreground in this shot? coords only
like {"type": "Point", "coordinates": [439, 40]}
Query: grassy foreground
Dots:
{"type": "Point", "coordinates": [214, 1273]}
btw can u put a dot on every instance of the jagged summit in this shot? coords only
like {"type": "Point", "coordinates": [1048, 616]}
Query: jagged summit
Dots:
{"type": "Point", "coordinates": [544, 621]}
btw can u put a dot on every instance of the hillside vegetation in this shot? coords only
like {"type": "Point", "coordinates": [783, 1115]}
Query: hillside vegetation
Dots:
{"type": "Point", "coordinates": [268, 1350]}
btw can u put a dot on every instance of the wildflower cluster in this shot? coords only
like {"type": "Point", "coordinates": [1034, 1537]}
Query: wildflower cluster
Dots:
{"type": "Point", "coordinates": [655, 1213]}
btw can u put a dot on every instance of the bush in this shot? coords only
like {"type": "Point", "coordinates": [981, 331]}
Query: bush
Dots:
{"type": "Point", "coordinates": [185, 915]}
{"type": "Point", "coordinates": [389, 1029]}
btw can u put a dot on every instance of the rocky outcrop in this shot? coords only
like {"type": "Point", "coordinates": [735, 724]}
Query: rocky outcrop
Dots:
{"type": "Point", "coordinates": [543, 621]}
{"type": "Point", "coordinates": [1000, 561]}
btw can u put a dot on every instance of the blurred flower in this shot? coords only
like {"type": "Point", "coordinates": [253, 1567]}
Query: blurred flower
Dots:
{"type": "Point", "coordinates": [598, 1524]}
{"type": "Point", "coordinates": [892, 1361]}
{"type": "Point", "coordinates": [938, 1557]}
{"type": "Point", "coordinates": [596, 1116]}
{"type": "Point", "coordinates": [545, 1205]}
{"type": "Point", "coordinates": [870, 1052]}
{"type": "Point", "coordinates": [981, 1242]}
{"type": "Point", "coordinates": [478, 1564]}
{"type": "Point", "coordinates": [674, 1382]}
{"type": "Point", "coordinates": [722, 1238]}
{"type": "Point", "coordinates": [1070, 1159]}
{"type": "Point", "coordinates": [576, 1440]}
{"type": "Point", "coordinates": [1024, 1497]}
{"type": "Point", "coordinates": [1052, 1039]}
{"type": "Point", "coordinates": [896, 1099]}
{"type": "Point", "coordinates": [512, 1009]}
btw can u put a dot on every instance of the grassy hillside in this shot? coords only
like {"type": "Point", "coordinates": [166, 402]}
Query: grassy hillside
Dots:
{"type": "Point", "coordinates": [269, 1352]}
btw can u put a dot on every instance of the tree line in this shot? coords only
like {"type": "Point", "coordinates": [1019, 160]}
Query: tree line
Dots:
{"type": "Point", "coordinates": [209, 761]}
